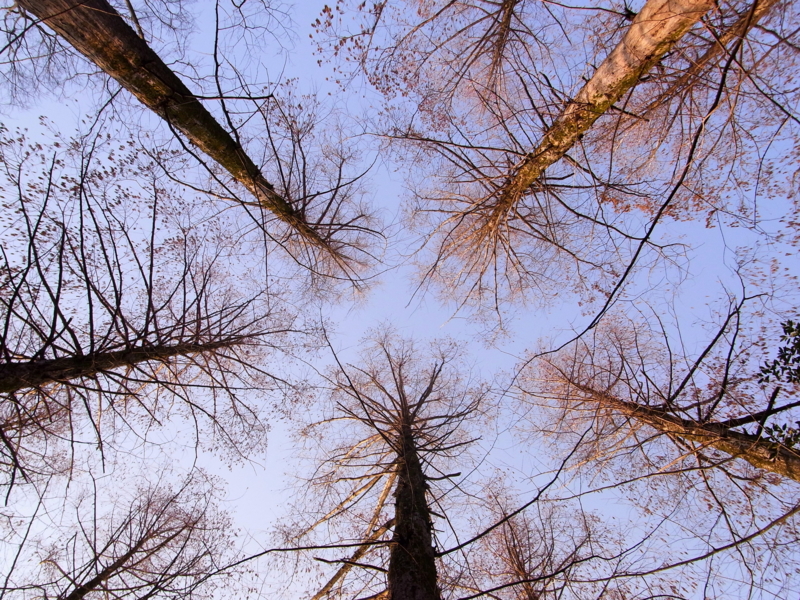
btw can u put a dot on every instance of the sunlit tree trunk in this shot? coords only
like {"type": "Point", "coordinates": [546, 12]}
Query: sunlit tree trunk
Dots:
{"type": "Point", "coordinates": [98, 32]}
{"type": "Point", "coordinates": [756, 450]}
{"type": "Point", "coordinates": [757, 12]}
{"type": "Point", "coordinates": [653, 32]}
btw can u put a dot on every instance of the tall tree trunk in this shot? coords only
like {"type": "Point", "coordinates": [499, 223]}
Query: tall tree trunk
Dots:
{"type": "Point", "coordinates": [758, 11]}
{"type": "Point", "coordinates": [653, 32]}
{"type": "Point", "coordinates": [81, 590]}
{"type": "Point", "coordinates": [19, 376]}
{"type": "Point", "coordinates": [759, 452]}
{"type": "Point", "coordinates": [412, 562]}
{"type": "Point", "coordinates": [98, 32]}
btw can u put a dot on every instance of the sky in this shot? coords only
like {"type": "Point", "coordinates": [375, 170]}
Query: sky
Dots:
{"type": "Point", "coordinates": [257, 491]}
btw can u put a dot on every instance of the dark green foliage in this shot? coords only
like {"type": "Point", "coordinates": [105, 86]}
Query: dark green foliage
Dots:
{"type": "Point", "coordinates": [787, 366]}
{"type": "Point", "coordinates": [783, 434]}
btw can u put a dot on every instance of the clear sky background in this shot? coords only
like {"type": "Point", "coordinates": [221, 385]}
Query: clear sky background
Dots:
{"type": "Point", "coordinates": [257, 490]}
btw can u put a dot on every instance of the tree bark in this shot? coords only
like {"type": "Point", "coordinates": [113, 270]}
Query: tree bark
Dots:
{"type": "Point", "coordinates": [100, 34]}
{"type": "Point", "coordinates": [33, 374]}
{"type": "Point", "coordinates": [412, 561]}
{"type": "Point", "coordinates": [653, 32]}
{"type": "Point", "coordinates": [758, 10]}
{"type": "Point", "coordinates": [760, 453]}
{"type": "Point", "coordinates": [83, 589]}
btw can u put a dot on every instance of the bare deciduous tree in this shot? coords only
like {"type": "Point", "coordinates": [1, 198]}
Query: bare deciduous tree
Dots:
{"type": "Point", "coordinates": [396, 418]}
{"type": "Point", "coordinates": [704, 403]}
{"type": "Point", "coordinates": [321, 212]}
{"type": "Point", "coordinates": [691, 436]}
{"type": "Point", "coordinates": [160, 542]}
{"type": "Point", "coordinates": [522, 188]}
{"type": "Point", "coordinates": [119, 299]}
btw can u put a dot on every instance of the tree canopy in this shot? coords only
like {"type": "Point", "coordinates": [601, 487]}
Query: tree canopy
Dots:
{"type": "Point", "coordinates": [512, 283]}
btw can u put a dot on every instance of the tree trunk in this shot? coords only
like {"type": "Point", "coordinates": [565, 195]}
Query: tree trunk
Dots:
{"type": "Point", "coordinates": [80, 591]}
{"type": "Point", "coordinates": [98, 32]}
{"type": "Point", "coordinates": [653, 32]}
{"type": "Point", "coordinates": [354, 558]}
{"type": "Point", "coordinates": [33, 374]}
{"type": "Point", "coordinates": [759, 452]}
{"type": "Point", "coordinates": [758, 11]}
{"type": "Point", "coordinates": [412, 563]}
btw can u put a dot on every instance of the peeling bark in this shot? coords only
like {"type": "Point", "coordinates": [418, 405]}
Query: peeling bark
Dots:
{"type": "Point", "coordinates": [98, 32]}
{"type": "Point", "coordinates": [412, 561]}
{"type": "Point", "coordinates": [757, 451]}
{"type": "Point", "coordinates": [758, 11]}
{"type": "Point", "coordinates": [653, 32]}
{"type": "Point", "coordinates": [33, 374]}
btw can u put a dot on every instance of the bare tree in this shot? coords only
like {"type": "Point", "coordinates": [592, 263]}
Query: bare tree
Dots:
{"type": "Point", "coordinates": [543, 180]}
{"type": "Point", "coordinates": [118, 299]}
{"type": "Point", "coordinates": [696, 437]}
{"type": "Point", "coordinates": [397, 418]}
{"type": "Point", "coordinates": [706, 403]}
{"type": "Point", "coordinates": [160, 541]}
{"type": "Point", "coordinates": [541, 543]}
{"type": "Point", "coordinates": [333, 225]}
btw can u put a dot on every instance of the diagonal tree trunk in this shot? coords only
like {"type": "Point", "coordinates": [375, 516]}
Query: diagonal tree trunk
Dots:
{"type": "Point", "coordinates": [81, 590]}
{"type": "Point", "coordinates": [412, 563]}
{"type": "Point", "coordinates": [653, 32]}
{"type": "Point", "coordinates": [354, 558]}
{"type": "Point", "coordinates": [373, 534]}
{"type": "Point", "coordinates": [758, 10]}
{"type": "Point", "coordinates": [19, 376]}
{"type": "Point", "coordinates": [757, 451]}
{"type": "Point", "coordinates": [96, 30]}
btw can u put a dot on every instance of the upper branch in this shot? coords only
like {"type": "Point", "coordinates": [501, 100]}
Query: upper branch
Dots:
{"type": "Point", "coordinates": [98, 32]}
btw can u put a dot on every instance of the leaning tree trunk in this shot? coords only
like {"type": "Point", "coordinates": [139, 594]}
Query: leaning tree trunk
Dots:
{"type": "Point", "coordinates": [653, 32]}
{"type": "Point", "coordinates": [83, 589]}
{"type": "Point", "coordinates": [759, 10]}
{"type": "Point", "coordinates": [34, 374]}
{"type": "Point", "coordinates": [757, 451]}
{"type": "Point", "coordinates": [98, 32]}
{"type": "Point", "coordinates": [412, 560]}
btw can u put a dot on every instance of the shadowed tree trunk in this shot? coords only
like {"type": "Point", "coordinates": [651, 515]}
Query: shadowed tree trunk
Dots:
{"type": "Point", "coordinates": [412, 565]}
{"type": "Point", "coordinates": [33, 374]}
{"type": "Point", "coordinates": [412, 408]}
{"type": "Point", "coordinates": [80, 591]}
{"type": "Point", "coordinates": [100, 34]}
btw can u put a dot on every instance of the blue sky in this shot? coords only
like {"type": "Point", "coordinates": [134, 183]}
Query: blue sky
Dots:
{"type": "Point", "coordinates": [694, 289]}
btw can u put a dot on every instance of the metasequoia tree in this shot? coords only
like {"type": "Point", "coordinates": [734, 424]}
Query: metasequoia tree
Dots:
{"type": "Point", "coordinates": [160, 541]}
{"type": "Point", "coordinates": [713, 402]}
{"type": "Point", "coordinates": [325, 218]}
{"type": "Point", "coordinates": [396, 421]}
{"type": "Point", "coordinates": [698, 436]}
{"type": "Point", "coordinates": [119, 298]}
{"type": "Point", "coordinates": [397, 426]}
{"type": "Point", "coordinates": [534, 176]}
